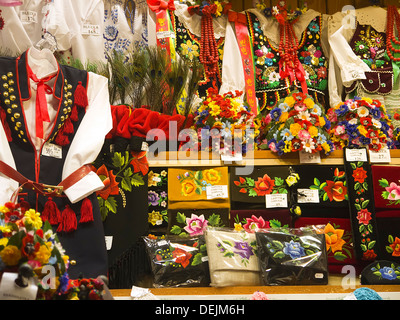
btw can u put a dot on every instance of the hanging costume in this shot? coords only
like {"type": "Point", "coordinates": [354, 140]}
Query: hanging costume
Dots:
{"type": "Point", "coordinates": [53, 122]}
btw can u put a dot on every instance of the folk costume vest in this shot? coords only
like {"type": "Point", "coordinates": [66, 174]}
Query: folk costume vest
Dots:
{"type": "Point", "coordinates": [77, 224]}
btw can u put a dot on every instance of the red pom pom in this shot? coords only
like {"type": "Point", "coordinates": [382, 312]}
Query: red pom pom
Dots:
{"type": "Point", "coordinates": [80, 96]}
{"type": "Point", "coordinates": [86, 211]}
{"type": "Point", "coordinates": [68, 220]}
{"type": "Point", "coordinates": [51, 212]}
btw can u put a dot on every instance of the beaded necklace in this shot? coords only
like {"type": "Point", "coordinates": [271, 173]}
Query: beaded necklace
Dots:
{"type": "Point", "coordinates": [393, 17]}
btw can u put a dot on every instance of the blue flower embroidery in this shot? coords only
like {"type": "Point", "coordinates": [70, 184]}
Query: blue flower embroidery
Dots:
{"type": "Point", "coordinates": [388, 273]}
{"type": "Point", "coordinates": [294, 250]}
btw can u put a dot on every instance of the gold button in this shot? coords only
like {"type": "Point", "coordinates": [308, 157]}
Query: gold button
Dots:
{"type": "Point", "coordinates": [9, 110]}
{"type": "Point", "coordinates": [7, 101]}
{"type": "Point", "coordinates": [10, 74]}
{"type": "Point", "coordinates": [5, 85]}
{"type": "Point", "coordinates": [12, 98]}
{"type": "Point", "coordinates": [69, 87]}
{"type": "Point", "coordinates": [10, 90]}
{"type": "Point", "coordinates": [62, 118]}
{"type": "Point", "coordinates": [5, 93]}
{"type": "Point", "coordinates": [18, 124]}
{"type": "Point", "coordinates": [65, 110]}
{"type": "Point", "coordinates": [4, 77]}
{"type": "Point", "coordinates": [22, 133]}
{"type": "Point", "coordinates": [16, 115]}
{"type": "Point", "coordinates": [69, 101]}
{"type": "Point", "coordinates": [11, 82]}
{"type": "Point", "coordinates": [12, 119]}
{"type": "Point", "coordinates": [14, 106]}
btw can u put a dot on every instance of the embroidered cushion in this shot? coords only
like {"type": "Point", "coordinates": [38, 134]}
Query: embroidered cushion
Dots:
{"type": "Point", "coordinates": [187, 188]}
{"type": "Point", "coordinates": [178, 261]}
{"type": "Point", "coordinates": [386, 184]}
{"type": "Point", "coordinates": [251, 220]}
{"type": "Point", "coordinates": [233, 258]}
{"type": "Point", "coordinates": [292, 257]}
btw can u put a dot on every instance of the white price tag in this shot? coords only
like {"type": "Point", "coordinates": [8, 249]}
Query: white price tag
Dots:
{"type": "Point", "coordinates": [165, 34]}
{"type": "Point", "coordinates": [356, 155]}
{"type": "Point", "coordinates": [306, 157]}
{"type": "Point", "coordinates": [307, 196]}
{"type": "Point", "coordinates": [91, 29]}
{"type": "Point", "coordinates": [381, 156]}
{"type": "Point", "coordinates": [52, 150]}
{"type": "Point", "coordinates": [276, 201]}
{"type": "Point", "coordinates": [10, 291]}
{"type": "Point", "coordinates": [109, 241]}
{"type": "Point", "coordinates": [217, 192]}
{"type": "Point", "coordinates": [156, 179]}
{"type": "Point", "coordinates": [237, 157]}
{"type": "Point", "coordinates": [145, 146]}
{"type": "Point", "coordinates": [28, 16]}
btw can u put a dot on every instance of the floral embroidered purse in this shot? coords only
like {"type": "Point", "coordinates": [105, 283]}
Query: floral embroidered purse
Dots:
{"type": "Point", "coordinates": [233, 258]}
{"type": "Point", "coordinates": [292, 257]}
{"type": "Point", "coordinates": [178, 261]}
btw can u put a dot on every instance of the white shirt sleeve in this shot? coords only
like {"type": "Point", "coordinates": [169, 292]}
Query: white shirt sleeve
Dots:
{"type": "Point", "coordinates": [351, 67]}
{"type": "Point", "coordinates": [89, 139]}
{"type": "Point", "coordinates": [232, 66]}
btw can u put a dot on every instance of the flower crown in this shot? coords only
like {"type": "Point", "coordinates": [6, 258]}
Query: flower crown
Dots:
{"type": "Point", "coordinates": [297, 123]}
{"type": "Point", "coordinates": [360, 122]}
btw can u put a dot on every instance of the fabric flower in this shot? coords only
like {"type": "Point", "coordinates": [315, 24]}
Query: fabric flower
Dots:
{"type": "Point", "coordinates": [153, 198]}
{"type": "Point", "coordinates": [243, 249]}
{"type": "Point", "coordinates": [364, 216]}
{"type": "Point", "coordinates": [388, 273]}
{"type": "Point", "coordinates": [196, 225]}
{"type": "Point", "coordinates": [33, 219]}
{"type": "Point", "coordinates": [394, 192]}
{"type": "Point", "coordinates": [335, 190]}
{"type": "Point", "coordinates": [359, 175]}
{"type": "Point", "coordinates": [395, 247]}
{"type": "Point", "coordinates": [10, 255]}
{"type": "Point", "coordinates": [264, 185]}
{"type": "Point", "coordinates": [333, 238]}
{"type": "Point", "coordinates": [182, 257]}
{"type": "Point", "coordinates": [110, 184]}
{"type": "Point", "coordinates": [294, 250]}
{"type": "Point", "coordinates": [188, 188]}
{"type": "Point", "coordinates": [254, 223]}
{"type": "Point", "coordinates": [211, 176]}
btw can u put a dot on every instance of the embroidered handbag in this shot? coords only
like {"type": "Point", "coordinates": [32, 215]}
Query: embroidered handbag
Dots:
{"type": "Point", "coordinates": [178, 261]}
{"type": "Point", "coordinates": [233, 258]}
{"type": "Point", "coordinates": [292, 257]}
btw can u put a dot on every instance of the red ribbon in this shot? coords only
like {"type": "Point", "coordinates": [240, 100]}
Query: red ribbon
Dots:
{"type": "Point", "coordinates": [158, 5]}
{"type": "Point", "coordinates": [42, 113]}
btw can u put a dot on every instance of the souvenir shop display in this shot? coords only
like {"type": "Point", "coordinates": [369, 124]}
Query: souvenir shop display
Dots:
{"type": "Point", "coordinates": [197, 143]}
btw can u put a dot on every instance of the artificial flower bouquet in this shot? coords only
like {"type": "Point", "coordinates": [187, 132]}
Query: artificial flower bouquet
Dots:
{"type": "Point", "coordinates": [26, 239]}
{"type": "Point", "coordinates": [360, 122]}
{"type": "Point", "coordinates": [224, 124]}
{"type": "Point", "coordinates": [297, 123]}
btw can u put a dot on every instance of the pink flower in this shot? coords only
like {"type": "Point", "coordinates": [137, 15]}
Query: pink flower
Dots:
{"type": "Point", "coordinates": [339, 130]}
{"type": "Point", "coordinates": [300, 107]}
{"type": "Point", "coordinates": [254, 223]}
{"type": "Point", "coordinates": [304, 135]}
{"type": "Point", "coordinates": [332, 116]}
{"type": "Point", "coordinates": [272, 147]}
{"type": "Point", "coordinates": [394, 192]}
{"type": "Point", "coordinates": [267, 119]}
{"type": "Point", "coordinates": [196, 225]}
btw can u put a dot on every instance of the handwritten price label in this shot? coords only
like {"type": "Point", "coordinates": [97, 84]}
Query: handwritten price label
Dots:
{"type": "Point", "coordinates": [217, 192]}
{"type": "Point", "coordinates": [306, 157]}
{"type": "Point", "coordinates": [276, 201]}
{"type": "Point", "coordinates": [28, 16]}
{"type": "Point", "coordinates": [381, 156]}
{"type": "Point", "coordinates": [356, 155]}
{"type": "Point", "coordinates": [91, 29]}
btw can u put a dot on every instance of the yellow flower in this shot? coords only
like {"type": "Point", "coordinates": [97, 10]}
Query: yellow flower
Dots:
{"type": "Point", "coordinates": [238, 227]}
{"type": "Point", "coordinates": [309, 103]}
{"type": "Point", "coordinates": [295, 129]}
{"type": "Point", "coordinates": [151, 181]}
{"type": "Point", "coordinates": [43, 254]}
{"type": "Point", "coordinates": [284, 116]}
{"type": "Point", "coordinates": [5, 229]}
{"type": "Point", "coordinates": [154, 217]}
{"type": "Point", "coordinates": [290, 101]}
{"type": "Point", "coordinates": [326, 147]}
{"type": "Point", "coordinates": [288, 147]}
{"type": "Point", "coordinates": [211, 176]}
{"type": "Point", "coordinates": [362, 130]}
{"type": "Point", "coordinates": [10, 255]}
{"type": "Point", "coordinates": [322, 121]}
{"type": "Point", "coordinates": [368, 100]}
{"type": "Point", "coordinates": [190, 50]}
{"type": "Point", "coordinates": [3, 241]}
{"type": "Point", "coordinates": [313, 131]}
{"type": "Point", "coordinates": [215, 109]}
{"type": "Point", "coordinates": [188, 188]}
{"type": "Point", "coordinates": [33, 219]}
{"type": "Point", "coordinates": [4, 209]}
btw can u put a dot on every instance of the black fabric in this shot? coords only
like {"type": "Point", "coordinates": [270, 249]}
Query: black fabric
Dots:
{"type": "Point", "coordinates": [389, 236]}
{"type": "Point", "coordinates": [177, 261]}
{"type": "Point", "coordinates": [158, 200]}
{"type": "Point", "coordinates": [381, 272]}
{"type": "Point", "coordinates": [330, 181]}
{"type": "Point", "coordinates": [362, 209]}
{"type": "Point", "coordinates": [292, 258]}
{"type": "Point", "coordinates": [249, 191]}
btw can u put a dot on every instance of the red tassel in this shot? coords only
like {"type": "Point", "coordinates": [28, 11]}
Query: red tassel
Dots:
{"type": "Point", "coordinates": [51, 212]}
{"type": "Point", "coordinates": [74, 114]}
{"type": "Point", "coordinates": [68, 127]}
{"type": "Point", "coordinates": [86, 211]}
{"type": "Point", "coordinates": [61, 139]}
{"type": "Point", "coordinates": [68, 220]}
{"type": "Point", "coordinates": [80, 96]}
{"type": "Point", "coordinates": [24, 205]}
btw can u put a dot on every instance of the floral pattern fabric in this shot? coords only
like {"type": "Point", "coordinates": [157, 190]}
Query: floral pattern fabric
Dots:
{"type": "Point", "coordinates": [270, 88]}
{"type": "Point", "coordinates": [292, 257]}
{"type": "Point", "coordinates": [158, 199]}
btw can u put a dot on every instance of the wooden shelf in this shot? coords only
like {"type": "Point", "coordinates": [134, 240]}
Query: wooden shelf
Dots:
{"type": "Point", "coordinates": [258, 158]}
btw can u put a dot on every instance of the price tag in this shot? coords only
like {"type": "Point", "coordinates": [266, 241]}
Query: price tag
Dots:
{"type": "Point", "coordinates": [356, 155]}
{"type": "Point", "coordinates": [165, 34]}
{"type": "Point", "coordinates": [306, 157]}
{"type": "Point", "coordinates": [237, 157]}
{"type": "Point", "coordinates": [10, 291]}
{"type": "Point", "coordinates": [145, 146]}
{"type": "Point", "coordinates": [28, 16]}
{"type": "Point", "coordinates": [52, 150]}
{"type": "Point", "coordinates": [109, 241]}
{"type": "Point", "coordinates": [156, 179]}
{"type": "Point", "coordinates": [381, 156]}
{"type": "Point", "coordinates": [276, 201]}
{"type": "Point", "coordinates": [217, 192]}
{"type": "Point", "coordinates": [91, 29]}
{"type": "Point", "coordinates": [307, 196]}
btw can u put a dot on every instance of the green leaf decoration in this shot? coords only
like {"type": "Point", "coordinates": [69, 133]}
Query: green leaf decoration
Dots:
{"type": "Point", "coordinates": [176, 230]}
{"type": "Point", "coordinates": [111, 204]}
{"type": "Point", "coordinates": [365, 204]}
{"type": "Point", "coordinates": [228, 243]}
{"type": "Point", "coordinates": [390, 238]}
{"type": "Point", "coordinates": [16, 239]}
{"type": "Point", "coordinates": [126, 184]}
{"type": "Point", "coordinates": [137, 180]}
{"type": "Point", "coordinates": [252, 193]}
{"type": "Point", "coordinates": [229, 254]}
{"type": "Point", "coordinates": [389, 249]}
{"type": "Point", "coordinates": [250, 182]}
{"type": "Point", "coordinates": [316, 182]}
{"type": "Point", "coordinates": [279, 182]}
{"type": "Point", "coordinates": [118, 160]}
{"type": "Point", "coordinates": [275, 223]}
{"type": "Point", "coordinates": [198, 175]}
{"type": "Point", "coordinates": [384, 183]}
{"type": "Point", "coordinates": [357, 206]}
{"type": "Point", "coordinates": [353, 166]}
{"type": "Point", "coordinates": [371, 245]}
{"type": "Point", "coordinates": [278, 244]}
{"type": "Point", "coordinates": [279, 255]}
{"type": "Point", "coordinates": [214, 220]}
{"type": "Point", "coordinates": [197, 259]}
{"type": "Point", "coordinates": [360, 164]}
{"type": "Point", "coordinates": [181, 218]}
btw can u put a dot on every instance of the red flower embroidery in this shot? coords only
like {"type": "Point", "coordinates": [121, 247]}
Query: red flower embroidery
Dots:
{"type": "Point", "coordinates": [264, 185]}
{"type": "Point", "coordinates": [182, 257]}
{"type": "Point", "coordinates": [110, 184]}
{"type": "Point", "coordinates": [336, 191]}
{"type": "Point", "coordinates": [364, 216]}
{"type": "Point", "coordinates": [359, 175]}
